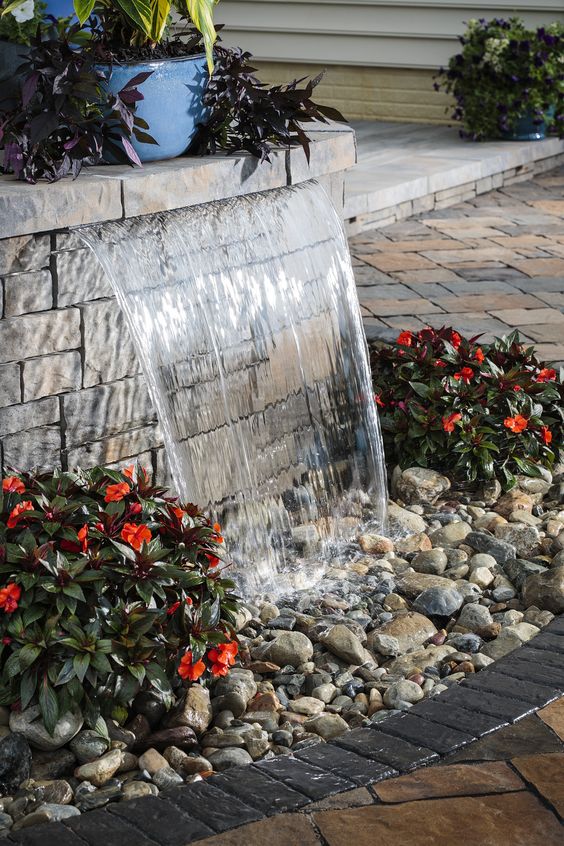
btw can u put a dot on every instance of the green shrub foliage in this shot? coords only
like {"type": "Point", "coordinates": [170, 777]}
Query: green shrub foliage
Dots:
{"type": "Point", "coordinates": [471, 411]}
{"type": "Point", "coordinates": [107, 586]}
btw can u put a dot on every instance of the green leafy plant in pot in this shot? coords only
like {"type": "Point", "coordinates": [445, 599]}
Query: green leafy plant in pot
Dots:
{"type": "Point", "coordinates": [129, 40]}
{"type": "Point", "coordinates": [508, 81]}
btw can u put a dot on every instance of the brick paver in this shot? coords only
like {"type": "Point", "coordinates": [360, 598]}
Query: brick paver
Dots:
{"type": "Point", "coordinates": [489, 265]}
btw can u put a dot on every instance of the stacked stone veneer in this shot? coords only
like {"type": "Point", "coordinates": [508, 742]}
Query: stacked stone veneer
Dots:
{"type": "Point", "coordinates": [71, 389]}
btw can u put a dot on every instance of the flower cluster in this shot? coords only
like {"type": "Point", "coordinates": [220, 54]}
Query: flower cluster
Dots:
{"type": "Point", "coordinates": [472, 410]}
{"type": "Point", "coordinates": [503, 73]}
{"type": "Point", "coordinates": [107, 586]}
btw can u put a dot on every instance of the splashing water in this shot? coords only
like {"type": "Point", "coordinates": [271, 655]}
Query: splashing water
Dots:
{"type": "Point", "coordinates": [245, 317]}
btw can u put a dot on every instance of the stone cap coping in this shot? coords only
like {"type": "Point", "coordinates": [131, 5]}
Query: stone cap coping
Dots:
{"type": "Point", "coordinates": [115, 192]}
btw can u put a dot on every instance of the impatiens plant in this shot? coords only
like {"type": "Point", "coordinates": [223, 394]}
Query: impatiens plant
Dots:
{"type": "Point", "coordinates": [107, 587]}
{"type": "Point", "coordinates": [474, 411]}
{"type": "Point", "coordinates": [505, 72]}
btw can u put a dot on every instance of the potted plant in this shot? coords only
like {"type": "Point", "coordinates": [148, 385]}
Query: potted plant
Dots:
{"type": "Point", "coordinates": [508, 81]}
{"type": "Point", "coordinates": [129, 40]}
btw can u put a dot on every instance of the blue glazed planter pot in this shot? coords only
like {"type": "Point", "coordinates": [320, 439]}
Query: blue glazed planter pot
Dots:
{"type": "Point", "coordinates": [172, 105]}
{"type": "Point", "coordinates": [525, 129]}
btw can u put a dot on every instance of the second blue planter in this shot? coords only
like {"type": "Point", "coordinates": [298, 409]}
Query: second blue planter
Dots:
{"type": "Point", "coordinates": [173, 102]}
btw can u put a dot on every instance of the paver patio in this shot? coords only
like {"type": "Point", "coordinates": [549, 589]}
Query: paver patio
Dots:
{"type": "Point", "coordinates": [489, 265]}
{"type": "Point", "coordinates": [497, 792]}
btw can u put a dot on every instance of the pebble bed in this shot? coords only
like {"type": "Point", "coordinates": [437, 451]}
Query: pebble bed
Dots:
{"type": "Point", "coordinates": [459, 583]}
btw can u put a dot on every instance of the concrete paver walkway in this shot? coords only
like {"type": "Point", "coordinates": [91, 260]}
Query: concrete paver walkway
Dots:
{"type": "Point", "coordinates": [505, 790]}
{"type": "Point", "coordinates": [488, 265]}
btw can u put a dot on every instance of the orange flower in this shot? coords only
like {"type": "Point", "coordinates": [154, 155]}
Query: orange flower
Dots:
{"type": "Point", "coordinates": [464, 375]}
{"type": "Point", "coordinates": [11, 484]}
{"type": "Point", "coordinates": [83, 537]}
{"type": "Point", "coordinates": [516, 424]}
{"type": "Point", "coordinates": [455, 339]}
{"type": "Point", "coordinates": [217, 529]}
{"type": "Point", "coordinates": [115, 493]}
{"type": "Point", "coordinates": [546, 434]}
{"type": "Point", "coordinates": [135, 535]}
{"type": "Point", "coordinates": [405, 339]}
{"type": "Point", "coordinates": [378, 400]}
{"type": "Point", "coordinates": [479, 355]}
{"type": "Point", "coordinates": [213, 559]}
{"type": "Point", "coordinates": [178, 512]}
{"type": "Point", "coordinates": [176, 605]}
{"type": "Point", "coordinates": [188, 670]}
{"type": "Point", "coordinates": [129, 471]}
{"type": "Point", "coordinates": [547, 374]}
{"type": "Point", "coordinates": [222, 657]}
{"type": "Point", "coordinates": [448, 422]}
{"type": "Point", "coordinates": [18, 512]}
{"type": "Point", "coordinates": [9, 597]}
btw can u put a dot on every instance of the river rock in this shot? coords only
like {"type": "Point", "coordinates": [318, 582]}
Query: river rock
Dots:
{"type": "Point", "coordinates": [500, 550]}
{"type": "Point", "coordinates": [482, 577]}
{"type": "Point", "coordinates": [375, 544]}
{"type": "Point", "coordinates": [408, 629]}
{"type": "Point", "coordinates": [234, 691]}
{"type": "Point", "coordinates": [413, 543]}
{"type": "Point", "coordinates": [421, 485]}
{"type": "Point", "coordinates": [100, 771]}
{"type": "Point", "coordinates": [327, 725]}
{"type": "Point", "coordinates": [52, 765]}
{"type": "Point", "coordinates": [30, 724]}
{"type": "Point", "coordinates": [152, 761]}
{"type": "Point", "coordinates": [404, 522]}
{"type": "Point", "coordinates": [509, 639]}
{"type": "Point", "coordinates": [431, 656]}
{"type": "Point", "coordinates": [344, 644]}
{"type": "Point", "coordinates": [306, 705]}
{"type": "Point", "coordinates": [224, 759]}
{"type": "Point", "coordinates": [138, 789]}
{"type": "Point", "coordinates": [524, 538]}
{"type": "Point", "coordinates": [48, 812]}
{"type": "Point", "coordinates": [474, 616]}
{"type": "Point", "coordinates": [545, 590]}
{"type": "Point", "coordinates": [181, 736]}
{"type": "Point", "coordinates": [194, 710]}
{"type": "Point", "coordinates": [438, 601]}
{"type": "Point", "coordinates": [166, 777]}
{"type": "Point", "coordinates": [514, 500]}
{"type": "Point", "coordinates": [432, 561]}
{"type": "Point", "coordinates": [88, 745]}
{"type": "Point", "coordinates": [15, 763]}
{"type": "Point", "coordinates": [289, 648]}
{"type": "Point", "coordinates": [412, 584]}
{"type": "Point", "coordinates": [518, 571]}
{"type": "Point", "coordinates": [402, 691]}
{"type": "Point", "coordinates": [451, 535]}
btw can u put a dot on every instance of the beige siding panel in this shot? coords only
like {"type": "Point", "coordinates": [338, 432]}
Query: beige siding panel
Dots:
{"type": "Point", "coordinates": [392, 33]}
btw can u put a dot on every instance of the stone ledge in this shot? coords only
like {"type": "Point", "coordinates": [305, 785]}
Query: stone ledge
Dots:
{"type": "Point", "coordinates": [116, 192]}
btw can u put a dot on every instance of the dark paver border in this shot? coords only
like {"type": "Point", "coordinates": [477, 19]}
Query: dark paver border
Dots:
{"type": "Point", "coordinates": [513, 687]}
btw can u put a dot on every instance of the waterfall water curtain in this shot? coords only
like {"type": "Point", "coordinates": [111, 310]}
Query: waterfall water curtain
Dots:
{"type": "Point", "coordinates": [246, 320]}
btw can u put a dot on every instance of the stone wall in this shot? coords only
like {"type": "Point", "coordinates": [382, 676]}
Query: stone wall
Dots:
{"type": "Point", "coordinates": [71, 389]}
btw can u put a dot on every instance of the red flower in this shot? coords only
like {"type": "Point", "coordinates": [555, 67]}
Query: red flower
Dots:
{"type": "Point", "coordinates": [516, 424]}
{"type": "Point", "coordinates": [479, 355]}
{"type": "Point", "coordinates": [11, 484]}
{"type": "Point", "coordinates": [547, 374]}
{"type": "Point", "coordinates": [440, 363]}
{"type": "Point", "coordinates": [83, 537]}
{"type": "Point", "coordinates": [129, 471]}
{"type": "Point", "coordinates": [448, 422]}
{"type": "Point", "coordinates": [115, 493]}
{"type": "Point", "coordinates": [455, 339]}
{"type": "Point", "coordinates": [189, 670]}
{"type": "Point", "coordinates": [213, 559]}
{"type": "Point", "coordinates": [6, 640]}
{"type": "Point", "coordinates": [135, 508]}
{"type": "Point", "coordinates": [222, 657]}
{"type": "Point", "coordinates": [178, 512]}
{"type": "Point", "coordinates": [176, 605]}
{"type": "Point", "coordinates": [405, 339]}
{"type": "Point", "coordinates": [464, 375]}
{"type": "Point", "coordinates": [546, 434]}
{"type": "Point", "coordinates": [135, 535]}
{"type": "Point", "coordinates": [9, 597]}
{"type": "Point", "coordinates": [18, 512]}
{"type": "Point", "coordinates": [517, 388]}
